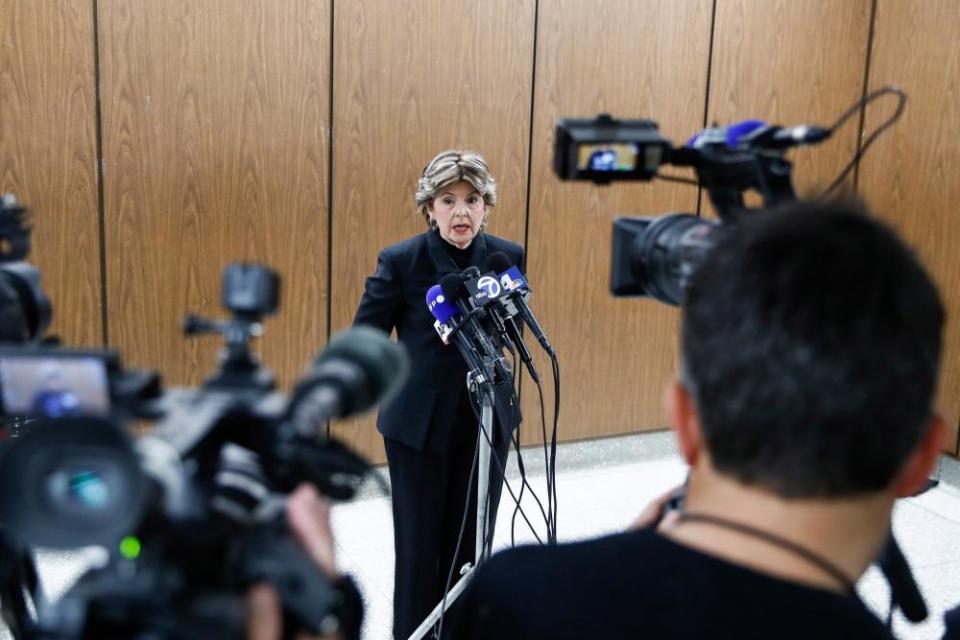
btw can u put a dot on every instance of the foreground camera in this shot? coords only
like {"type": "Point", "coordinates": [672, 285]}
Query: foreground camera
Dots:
{"type": "Point", "coordinates": [193, 513]}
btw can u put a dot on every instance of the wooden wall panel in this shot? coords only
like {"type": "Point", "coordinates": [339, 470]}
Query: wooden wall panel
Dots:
{"type": "Point", "coordinates": [408, 83]}
{"type": "Point", "coordinates": [909, 176]}
{"type": "Point", "coordinates": [48, 151]}
{"type": "Point", "coordinates": [788, 63]}
{"type": "Point", "coordinates": [215, 129]}
{"type": "Point", "coordinates": [631, 59]}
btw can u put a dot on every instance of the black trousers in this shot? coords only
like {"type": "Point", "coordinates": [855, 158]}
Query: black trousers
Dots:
{"type": "Point", "coordinates": [429, 495]}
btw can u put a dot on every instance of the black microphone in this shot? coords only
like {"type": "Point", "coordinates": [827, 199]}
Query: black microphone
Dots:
{"type": "Point", "coordinates": [456, 293]}
{"type": "Point", "coordinates": [498, 262]}
{"type": "Point", "coordinates": [516, 296]}
{"type": "Point", "coordinates": [360, 368]}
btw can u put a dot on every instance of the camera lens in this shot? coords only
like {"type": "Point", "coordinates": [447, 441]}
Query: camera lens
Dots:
{"type": "Point", "coordinates": [83, 490]}
{"type": "Point", "coordinates": [81, 484]}
{"type": "Point", "coordinates": [670, 251]}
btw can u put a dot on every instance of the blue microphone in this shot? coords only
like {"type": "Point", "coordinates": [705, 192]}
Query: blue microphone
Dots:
{"type": "Point", "coordinates": [447, 322]}
{"type": "Point", "coordinates": [443, 312]}
{"type": "Point", "coordinates": [757, 134]}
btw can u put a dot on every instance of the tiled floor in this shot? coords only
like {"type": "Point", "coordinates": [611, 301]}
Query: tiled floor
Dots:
{"type": "Point", "coordinates": [602, 485]}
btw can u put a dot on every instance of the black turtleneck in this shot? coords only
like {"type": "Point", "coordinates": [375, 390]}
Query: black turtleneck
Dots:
{"type": "Point", "coordinates": [461, 257]}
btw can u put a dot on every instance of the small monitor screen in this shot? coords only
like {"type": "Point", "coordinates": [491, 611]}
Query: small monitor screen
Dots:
{"type": "Point", "coordinates": [607, 157]}
{"type": "Point", "coordinates": [51, 386]}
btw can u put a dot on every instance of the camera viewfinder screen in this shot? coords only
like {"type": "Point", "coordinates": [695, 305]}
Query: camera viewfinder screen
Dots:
{"type": "Point", "coordinates": [53, 387]}
{"type": "Point", "coordinates": [607, 157]}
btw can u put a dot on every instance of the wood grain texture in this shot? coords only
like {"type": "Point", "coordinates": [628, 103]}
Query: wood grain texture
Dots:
{"type": "Point", "coordinates": [48, 151]}
{"type": "Point", "coordinates": [630, 59]}
{"type": "Point", "coordinates": [215, 117]}
{"type": "Point", "coordinates": [788, 63]}
{"type": "Point", "coordinates": [909, 176]}
{"type": "Point", "coordinates": [411, 79]}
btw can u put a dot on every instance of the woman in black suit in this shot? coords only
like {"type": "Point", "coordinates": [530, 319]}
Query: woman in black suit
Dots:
{"type": "Point", "coordinates": [430, 429]}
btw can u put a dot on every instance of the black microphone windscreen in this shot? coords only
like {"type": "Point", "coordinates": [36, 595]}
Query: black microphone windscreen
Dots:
{"type": "Point", "coordinates": [453, 287]}
{"type": "Point", "coordinates": [470, 272]}
{"type": "Point", "coordinates": [497, 262]}
{"type": "Point", "coordinates": [384, 363]}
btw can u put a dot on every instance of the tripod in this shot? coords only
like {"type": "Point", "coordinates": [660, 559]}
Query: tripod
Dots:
{"type": "Point", "coordinates": [480, 386]}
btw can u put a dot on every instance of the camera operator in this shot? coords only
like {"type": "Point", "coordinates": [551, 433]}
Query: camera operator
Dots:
{"type": "Point", "coordinates": [811, 340]}
{"type": "Point", "coordinates": [308, 515]}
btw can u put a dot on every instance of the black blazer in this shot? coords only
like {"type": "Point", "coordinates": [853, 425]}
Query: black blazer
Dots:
{"type": "Point", "coordinates": [395, 297]}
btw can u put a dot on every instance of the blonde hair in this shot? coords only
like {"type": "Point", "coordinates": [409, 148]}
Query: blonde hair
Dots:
{"type": "Point", "coordinates": [448, 167]}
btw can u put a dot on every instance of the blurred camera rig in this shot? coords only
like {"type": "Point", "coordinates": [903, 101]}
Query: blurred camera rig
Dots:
{"type": "Point", "coordinates": [193, 512]}
{"type": "Point", "coordinates": [656, 256]}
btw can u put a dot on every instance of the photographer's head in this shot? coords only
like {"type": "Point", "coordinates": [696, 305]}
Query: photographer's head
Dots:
{"type": "Point", "coordinates": [811, 344]}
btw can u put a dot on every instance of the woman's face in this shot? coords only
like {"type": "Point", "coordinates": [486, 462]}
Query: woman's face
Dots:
{"type": "Point", "coordinates": [458, 210]}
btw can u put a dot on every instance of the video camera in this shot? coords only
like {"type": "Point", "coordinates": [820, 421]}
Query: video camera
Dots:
{"type": "Point", "coordinates": [192, 513]}
{"type": "Point", "coordinates": [26, 307]}
{"type": "Point", "coordinates": [657, 256]}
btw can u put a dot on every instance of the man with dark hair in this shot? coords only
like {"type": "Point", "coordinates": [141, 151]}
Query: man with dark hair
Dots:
{"type": "Point", "coordinates": [810, 347]}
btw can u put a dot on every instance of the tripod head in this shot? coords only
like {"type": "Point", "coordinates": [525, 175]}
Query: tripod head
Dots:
{"type": "Point", "coordinates": [250, 292]}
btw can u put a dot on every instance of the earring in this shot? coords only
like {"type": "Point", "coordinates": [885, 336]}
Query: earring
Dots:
{"type": "Point", "coordinates": [432, 223]}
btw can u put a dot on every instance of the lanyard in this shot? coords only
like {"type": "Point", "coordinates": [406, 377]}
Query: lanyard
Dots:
{"type": "Point", "coordinates": [787, 545]}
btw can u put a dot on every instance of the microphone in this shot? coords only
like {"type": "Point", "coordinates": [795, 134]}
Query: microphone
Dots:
{"type": "Point", "coordinates": [446, 324]}
{"type": "Point", "coordinates": [456, 292]}
{"type": "Point", "coordinates": [442, 311]}
{"type": "Point", "coordinates": [360, 368]}
{"type": "Point", "coordinates": [758, 134]}
{"type": "Point", "coordinates": [515, 285]}
{"type": "Point", "coordinates": [803, 134]}
{"type": "Point", "coordinates": [499, 263]}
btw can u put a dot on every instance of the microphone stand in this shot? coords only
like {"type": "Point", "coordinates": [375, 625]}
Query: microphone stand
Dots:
{"type": "Point", "coordinates": [480, 384]}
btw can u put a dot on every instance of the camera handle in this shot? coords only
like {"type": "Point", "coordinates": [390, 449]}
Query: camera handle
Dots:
{"type": "Point", "coordinates": [727, 176]}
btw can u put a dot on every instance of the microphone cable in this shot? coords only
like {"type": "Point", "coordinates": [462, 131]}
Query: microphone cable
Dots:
{"type": "Point", "coordinates": [550, 518]}
{"type": "Point", "coordinates": [859, 107]}
{"type": "Point", "coordinates": [553, 443]}
{"type": "Point", "coordinates": [474, 472]}
{"type": "Point", "coordinates": [524, 483]}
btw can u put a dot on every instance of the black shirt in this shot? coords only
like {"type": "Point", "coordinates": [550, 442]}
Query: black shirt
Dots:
{"type": "Point", "coordinates": [641, 585]}
{"type": "Point", "coordinates": [461, 257]}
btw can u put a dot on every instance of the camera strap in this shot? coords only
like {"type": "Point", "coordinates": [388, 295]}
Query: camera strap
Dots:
{"type": "Point", "coordinates": [777, 541]}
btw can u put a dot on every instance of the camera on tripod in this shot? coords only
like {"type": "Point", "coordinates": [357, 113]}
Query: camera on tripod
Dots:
{"type": "Point", "coordinates": [656, 257]}
{"type": "Point", "coordinates": [26, 307]}
{"type": "Point", "coordinates": [193, 512]}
